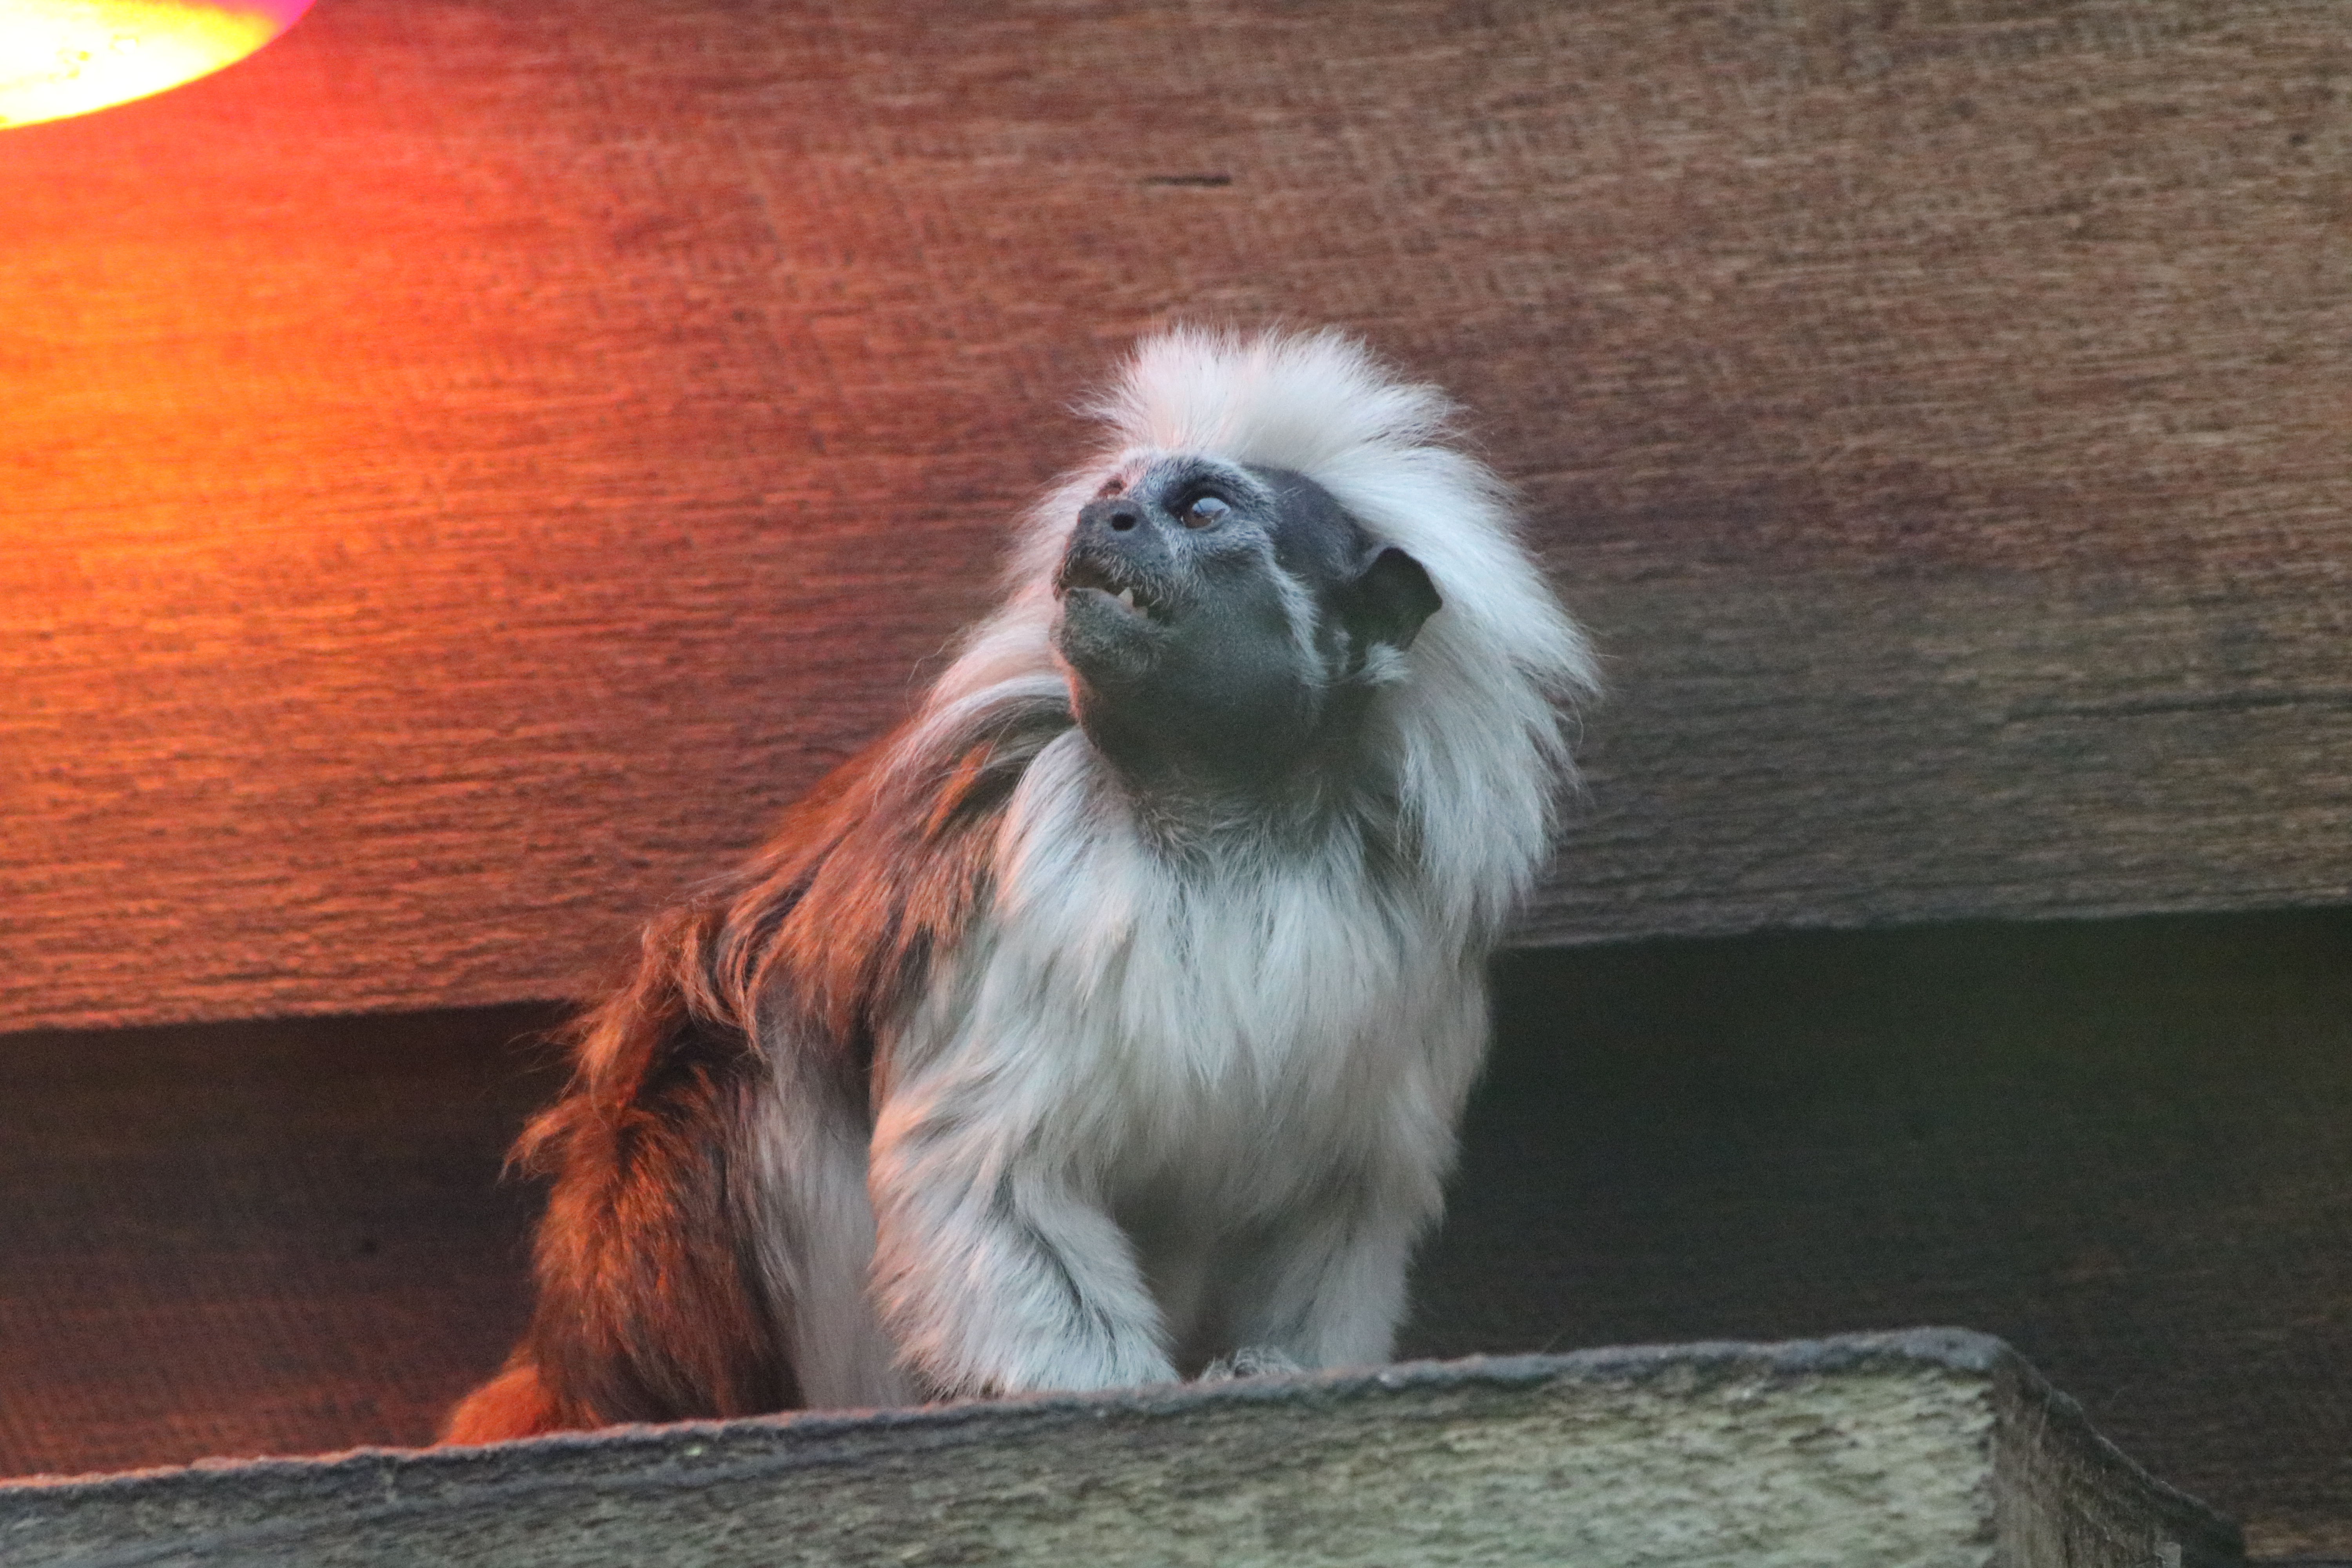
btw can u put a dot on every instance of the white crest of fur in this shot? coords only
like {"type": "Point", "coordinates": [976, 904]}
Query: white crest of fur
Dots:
{"type": "Point", "coordinates": [1476, 711]}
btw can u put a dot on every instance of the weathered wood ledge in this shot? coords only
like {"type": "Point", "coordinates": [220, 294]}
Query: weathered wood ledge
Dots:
{"type": "Point", "coordinates": [1929, 1447]}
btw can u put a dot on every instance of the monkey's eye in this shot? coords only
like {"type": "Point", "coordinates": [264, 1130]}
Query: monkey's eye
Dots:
{"type": "Point", "coordinates": [1205, 511]}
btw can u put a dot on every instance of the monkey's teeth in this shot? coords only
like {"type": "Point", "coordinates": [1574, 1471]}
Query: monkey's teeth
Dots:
{"type": "Point", "coordinates": [1126, 598]}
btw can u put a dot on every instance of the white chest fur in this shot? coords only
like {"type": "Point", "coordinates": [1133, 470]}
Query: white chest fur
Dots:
{"type": "Point", "coordinates": [1257, 1022]}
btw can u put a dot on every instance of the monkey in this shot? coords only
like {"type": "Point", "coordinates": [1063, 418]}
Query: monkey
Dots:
{"type": "Point", "coordinates": [1109, 1022]}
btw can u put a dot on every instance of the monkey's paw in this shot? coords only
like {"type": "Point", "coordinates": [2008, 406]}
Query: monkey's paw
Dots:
{"type": "Point", "coordinates": [1250, 1361]}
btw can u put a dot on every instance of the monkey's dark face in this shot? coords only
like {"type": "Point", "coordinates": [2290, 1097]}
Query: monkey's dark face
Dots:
{"type": "Point", "coordinates": [1224, 622]}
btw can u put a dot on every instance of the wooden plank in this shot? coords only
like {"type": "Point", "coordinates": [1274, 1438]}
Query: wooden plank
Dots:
{"type": "Point", "coordinates": [1934, 1448]}
{"type": "Point", "coordinates": [466, 471]}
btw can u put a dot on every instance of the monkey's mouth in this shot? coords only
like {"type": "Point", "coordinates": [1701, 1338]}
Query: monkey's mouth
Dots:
{"type": "Point", "coordinates": [1131, 594]}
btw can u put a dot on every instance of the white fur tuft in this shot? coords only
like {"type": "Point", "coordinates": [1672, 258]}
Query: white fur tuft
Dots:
{"type": "Point", "coordinates": [1307, 402]}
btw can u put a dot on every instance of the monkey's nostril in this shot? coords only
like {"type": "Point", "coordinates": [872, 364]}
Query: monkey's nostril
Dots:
{"type": "Point", "coordinates": [1119, 514]}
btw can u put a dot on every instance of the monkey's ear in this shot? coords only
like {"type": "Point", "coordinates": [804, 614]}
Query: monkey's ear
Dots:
{"type": "Point", "coordinates": [1389, 598]}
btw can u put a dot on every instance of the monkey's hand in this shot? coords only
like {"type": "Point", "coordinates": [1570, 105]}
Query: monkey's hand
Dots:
{"type": "Point", "coordinates": [1250, 1361]}
{"type": "Point", "coordinates": [1004, 1284]}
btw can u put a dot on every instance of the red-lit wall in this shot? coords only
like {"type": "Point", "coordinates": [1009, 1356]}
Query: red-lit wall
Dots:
{"type": "Point", "coordinates": [463, 469]}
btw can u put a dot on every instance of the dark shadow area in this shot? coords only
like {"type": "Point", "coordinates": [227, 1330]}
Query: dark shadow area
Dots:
{"type": "Point", "coordinates": [2127, 1147]}
{"type": "Point", "coordinates": [271, 1237]}
{"type": "Point", "coordinates": [2124, 1146]}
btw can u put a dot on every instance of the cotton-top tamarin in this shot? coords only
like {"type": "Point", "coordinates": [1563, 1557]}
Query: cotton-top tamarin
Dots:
{"type": "Point", "coordinates": [1109, 1022]}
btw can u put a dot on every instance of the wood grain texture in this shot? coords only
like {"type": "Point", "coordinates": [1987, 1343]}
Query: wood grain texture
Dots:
{"type": "Point", "coordinates": [1936, 1448]}
{"type": "Point", "coordinates": [467, 468]}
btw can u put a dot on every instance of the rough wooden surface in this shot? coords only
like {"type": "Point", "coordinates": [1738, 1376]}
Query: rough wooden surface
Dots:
{"type": "Point", "coordinates": [1938, 1449]}
{"type": "Point", "coordinates": [468, 467]}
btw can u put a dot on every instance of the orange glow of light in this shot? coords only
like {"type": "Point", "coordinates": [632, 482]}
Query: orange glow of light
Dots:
{"type": "Point", "coordinates": [68, 57]}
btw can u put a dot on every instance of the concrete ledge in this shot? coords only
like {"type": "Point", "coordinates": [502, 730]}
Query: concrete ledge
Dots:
{"type": "Point", "coordinates": [1929, 1447]}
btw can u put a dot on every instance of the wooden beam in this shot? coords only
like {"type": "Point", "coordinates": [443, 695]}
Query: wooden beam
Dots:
{"type": "Point", "coordinates": [466, 471]}
{"type": "Point", "coordinates": [1933, 1446]}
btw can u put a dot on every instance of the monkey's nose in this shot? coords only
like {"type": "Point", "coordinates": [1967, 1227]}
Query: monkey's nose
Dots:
{"type": "Point", "coordinates": [1120, 514]}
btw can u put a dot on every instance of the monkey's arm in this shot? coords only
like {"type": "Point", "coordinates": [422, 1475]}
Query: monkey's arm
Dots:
{"type": "Point", "coordinates": [704, 1251]}
{"type": "Point", "coordinates": [996, 1273]}
{"type": "Point", "coordinates": [1325, 1286]}
{"type": "Point", "coordinates": [1330, 1289]}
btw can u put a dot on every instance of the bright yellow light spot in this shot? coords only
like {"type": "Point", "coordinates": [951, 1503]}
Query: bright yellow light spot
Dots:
{"type": "Point", "coordinates": [68, 57]}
